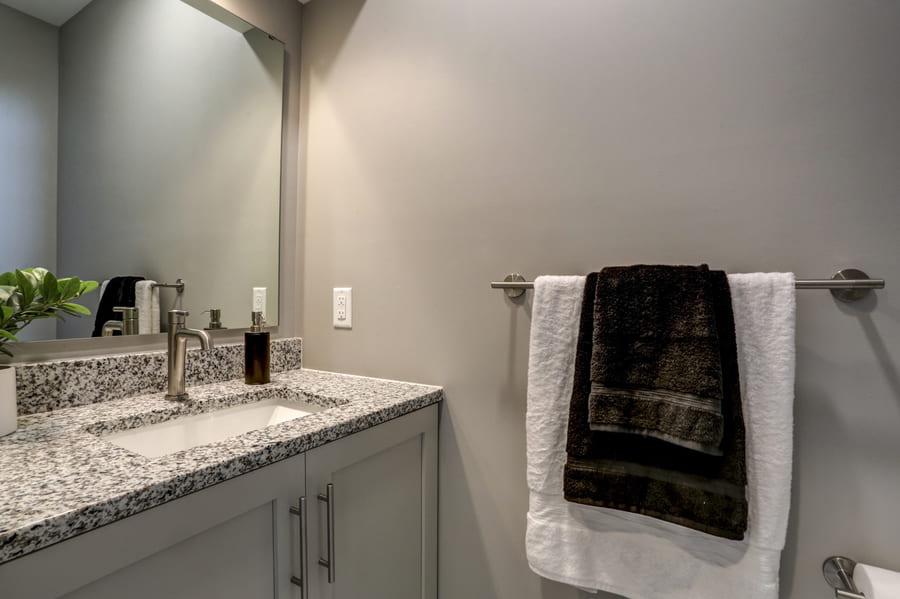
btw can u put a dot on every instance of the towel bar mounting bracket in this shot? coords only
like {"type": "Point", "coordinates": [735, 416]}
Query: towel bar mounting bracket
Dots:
{"type": "Point", "coordinates": [514, 292]}
{"type": "Point", "coordinates": [852, 294]}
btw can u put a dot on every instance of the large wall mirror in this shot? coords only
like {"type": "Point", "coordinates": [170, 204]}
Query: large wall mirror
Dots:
{"type": "Point", "coordinates": [141, 138]}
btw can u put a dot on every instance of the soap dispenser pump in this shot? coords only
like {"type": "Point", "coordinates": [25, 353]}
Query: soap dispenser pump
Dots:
{"type": "Point", "coordinates": [256, 352]}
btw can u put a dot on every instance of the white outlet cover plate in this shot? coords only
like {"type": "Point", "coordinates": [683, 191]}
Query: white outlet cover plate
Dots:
{"type": "Point", "coordinates": [342, 308]}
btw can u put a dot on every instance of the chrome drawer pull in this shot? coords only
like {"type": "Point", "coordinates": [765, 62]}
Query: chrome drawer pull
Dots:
{"type": "Point", "coordinates": [328, 499]}
{"type": "Point", "coordinates": [303, 580]}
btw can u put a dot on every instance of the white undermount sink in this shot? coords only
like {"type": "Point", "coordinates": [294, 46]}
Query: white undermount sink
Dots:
{"type": "Point", "coordinates": [192, 431]}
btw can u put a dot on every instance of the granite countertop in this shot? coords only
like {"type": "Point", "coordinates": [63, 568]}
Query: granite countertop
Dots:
{"type": "Point", "coordinates": [58, 479]}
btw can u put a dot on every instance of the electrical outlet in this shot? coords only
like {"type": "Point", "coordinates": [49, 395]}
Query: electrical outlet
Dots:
{"type": "Point", "coordinates": [342, 308]}
{"type": "Point", "coordinates": [259, 301]}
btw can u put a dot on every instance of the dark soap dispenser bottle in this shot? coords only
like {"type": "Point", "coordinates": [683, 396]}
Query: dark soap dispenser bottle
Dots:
{"type": "Point", "coordinates": [256, 352]}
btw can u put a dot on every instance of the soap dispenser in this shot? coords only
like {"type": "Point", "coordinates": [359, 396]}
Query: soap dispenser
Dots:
{"type": "Point", "coordinates": [256, 352]}
{"type": "Point", "coordinates": [215, 319]}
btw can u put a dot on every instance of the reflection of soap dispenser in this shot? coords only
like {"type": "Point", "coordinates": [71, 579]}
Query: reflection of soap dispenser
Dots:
{"type": "Point", "coordinates": [215, 319]}
{"type": "Point", "coordinates": [256, 352]}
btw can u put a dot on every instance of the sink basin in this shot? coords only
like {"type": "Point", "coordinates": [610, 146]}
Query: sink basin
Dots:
{"type": "Point", "coordinates": [191, 431]}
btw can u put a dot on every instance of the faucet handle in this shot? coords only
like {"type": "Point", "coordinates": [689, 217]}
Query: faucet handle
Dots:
{"type": "Point", "coordinates": [178, 317]}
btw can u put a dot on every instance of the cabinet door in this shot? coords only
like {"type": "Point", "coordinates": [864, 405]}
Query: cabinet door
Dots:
{"type": "Point", "coordinates": [382, 531]}
{"type": "Point", "coordinates": [236, 539]}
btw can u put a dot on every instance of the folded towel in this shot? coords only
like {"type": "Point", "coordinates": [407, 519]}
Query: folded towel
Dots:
{"type": "Point", "coordinates": [118, 291]}
{"type": "Point", "coordinates": [146, 299]}
{"type": "Point", "coordinates": [642, 557]}
{"type": "Point", "coordinates": [649, 476]}
{"type": "Point", "coordinates": [655, 366]}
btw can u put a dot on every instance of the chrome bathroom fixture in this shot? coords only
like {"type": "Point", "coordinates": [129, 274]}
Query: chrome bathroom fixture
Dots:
{"type": "Point", "coordinates": [847, 285]}
{"type": "Point", "coordinates": [128, 325]}
{"type": "Point", "coordinates": [838, 573]}
{"type": "Point", "coordinates": [178, 336]}
{"type": "Point", "coordinates": [178, 285]}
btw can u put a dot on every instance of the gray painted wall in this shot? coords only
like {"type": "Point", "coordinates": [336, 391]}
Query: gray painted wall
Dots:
{"type": "Point", "coordinates": [29, 76]}
{"type": "Point", "coordinates": [451, 143]}
{"type": "Point", "coordinates": [164, 174]}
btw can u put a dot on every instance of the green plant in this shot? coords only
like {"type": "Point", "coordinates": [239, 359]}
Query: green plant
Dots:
{"type": "Point", "coordinates": [34, 293]}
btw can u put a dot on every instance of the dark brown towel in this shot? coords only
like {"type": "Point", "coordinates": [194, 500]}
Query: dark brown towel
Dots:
{"type": "Point", "coordinates": [652, 477]}
{"type": "Point", "coordinates": [655, 365]}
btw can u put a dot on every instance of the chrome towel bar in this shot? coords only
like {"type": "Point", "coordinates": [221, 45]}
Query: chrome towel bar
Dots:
{"type": "Point", "coordinates": [847, 285]}
{"type": "Point", "coordinates": [178, 285]}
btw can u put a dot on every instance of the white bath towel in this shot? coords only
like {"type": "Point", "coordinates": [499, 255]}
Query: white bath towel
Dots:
{"type": "Point", "coordinates": [146, 299]}
{"type": "Point", "coordinates": [641, 557]}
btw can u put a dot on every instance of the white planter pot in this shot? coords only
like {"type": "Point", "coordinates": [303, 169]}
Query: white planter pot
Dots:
{"type": "Point", "coordinates": [7, 400]}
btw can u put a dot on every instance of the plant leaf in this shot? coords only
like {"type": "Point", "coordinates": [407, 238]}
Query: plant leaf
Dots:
{"type": "Point", "coordinates": [14, 301]}
{"type": "Point", "coordinates": [33, 294]}
{"type": "Point", "coordinates": [75, 308]}
{"type": "Point", "coordinates": [88, 286]}
{"type": "Point", "coordinates": [66, 310]}
{"type": "Point", "coordinates": [49, 288]}
{"type": "Point", "coordinates": [38, 272]}
{"type": "Point", "coordinates": [69, 288]}
{"type": "Point", "coordinates": [26, 282]}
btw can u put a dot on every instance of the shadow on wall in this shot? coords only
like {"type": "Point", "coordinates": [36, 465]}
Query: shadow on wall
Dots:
{"type": "Point", "coordinates": [882, 354]}
{"type": "Point", "coordinates": [514, 387]}
{"type": "Point", "coordinates": [466, 531]}
{"type": "Point", "coordinates": [830, 452]}
{"type": "Point", "coordinates": [338, 23]}
{"type": "Point", "coordinates": [817, 425]}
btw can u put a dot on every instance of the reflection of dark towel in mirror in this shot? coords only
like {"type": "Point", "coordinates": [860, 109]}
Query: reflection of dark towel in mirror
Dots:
{"type": "Point", "coordinates": [119, 292]}
{"type": "Point", "coordinates": [649, 476]}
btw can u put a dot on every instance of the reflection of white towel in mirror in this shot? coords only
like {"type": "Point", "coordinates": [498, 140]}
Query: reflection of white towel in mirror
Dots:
{"type": "Point", "coordinates": [146, 299]}
{"type": "Point", "coordinates": [103, 288]}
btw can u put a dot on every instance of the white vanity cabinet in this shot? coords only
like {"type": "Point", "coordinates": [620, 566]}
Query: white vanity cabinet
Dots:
{"type": "Point", "coordinates": [377, 538]}
{"type": "Point", "coordinates": [241, 538]}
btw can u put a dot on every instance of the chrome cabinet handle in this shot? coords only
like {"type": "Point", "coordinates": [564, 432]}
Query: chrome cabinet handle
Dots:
{"type": "Point", "coordinates": [328, 499]}
{"type": "Point", "coordinates": [303, 580]}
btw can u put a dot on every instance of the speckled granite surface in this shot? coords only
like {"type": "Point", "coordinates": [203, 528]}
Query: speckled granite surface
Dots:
{"type": "Point", "coordinates": [43, 386]}
{"type": "Point", "coordinates": [58, 480]}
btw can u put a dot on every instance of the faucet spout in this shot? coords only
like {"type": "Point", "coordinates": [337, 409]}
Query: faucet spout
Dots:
{"type": "Point", "coordinates": [206, 342]}
{"type": "Point", "coordinates": [178, 337]}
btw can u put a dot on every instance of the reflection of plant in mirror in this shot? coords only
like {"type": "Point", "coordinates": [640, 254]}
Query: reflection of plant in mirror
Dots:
{"type": "Point", "coordinates": [35, 293]}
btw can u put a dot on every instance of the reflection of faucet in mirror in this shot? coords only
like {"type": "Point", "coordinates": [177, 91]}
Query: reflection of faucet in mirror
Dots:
{"type": "Point", "coordinates": [127, 326]}
{"type": "Point", "coordinates": [178, 336]}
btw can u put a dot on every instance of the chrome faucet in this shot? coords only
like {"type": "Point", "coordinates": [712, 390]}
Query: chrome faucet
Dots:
{"type": "Point", "coordinates": [127, 326]}
{"type": "Point", "coordinates": [178, 336]}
